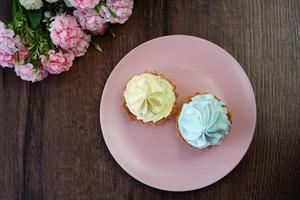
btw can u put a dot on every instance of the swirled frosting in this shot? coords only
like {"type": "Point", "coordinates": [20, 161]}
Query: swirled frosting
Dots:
{"type": "Point", "coordinates": [149, 97]}
{"type": "Point", "coordinates": [203, 121]}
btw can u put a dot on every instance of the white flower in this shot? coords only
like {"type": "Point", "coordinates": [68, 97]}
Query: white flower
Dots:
{"type": "Point", "coordinates": [31, 4]}
{"type": "Point", "coordinates": [51, 1]}
{"type": "Point", "coordinates": [47, 14]}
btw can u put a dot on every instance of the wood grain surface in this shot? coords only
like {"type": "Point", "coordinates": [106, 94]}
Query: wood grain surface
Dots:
{"type": "Point", "coordinates": [51, 145]}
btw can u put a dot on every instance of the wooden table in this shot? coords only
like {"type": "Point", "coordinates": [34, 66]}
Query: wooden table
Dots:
{"type": "Point", "coordinates": [51, 146]}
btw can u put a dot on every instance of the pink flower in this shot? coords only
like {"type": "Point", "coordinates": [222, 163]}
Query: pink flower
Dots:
{"type": "Point", "coordinates": [22, 54]}
{"type": "Point", "coordinates": [121, 8]}
{"type": "Point", "coordinates": [23, 51]}
{"type": "Point", "coordinates": [82, 46]}
{"type": "Point", "coordinates": [7, 46]}
{"type": "Point", "coordinates": [7, 41]}
{"type": "Point", "coordinates": [6, 60]}
{"type": "Point", "coordinates": [91, 21]}
{"type": "Point", "coordinates": [56, 63]}
{"type": "Point", "coordinates": [28, 73]}
{"type": "Point", "coordinates": [84, 4]}
{"type": "Point", "coordinates": [66, 33]}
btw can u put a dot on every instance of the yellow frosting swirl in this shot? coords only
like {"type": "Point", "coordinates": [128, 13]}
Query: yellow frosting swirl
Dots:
{"type": "Point", "coordinates": [149, 97]}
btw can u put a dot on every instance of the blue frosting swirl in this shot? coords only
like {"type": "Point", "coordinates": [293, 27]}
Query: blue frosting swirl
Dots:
{"type": "Point", "coordinates": [203, 121]}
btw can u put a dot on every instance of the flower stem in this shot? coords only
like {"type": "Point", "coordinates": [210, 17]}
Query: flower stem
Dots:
{"type": "Point", "coordinates": [112, 12]}
{"type": "Point", "coordinates": [96, 46]}
{"type": "Point", "coordinates": [111, 32]}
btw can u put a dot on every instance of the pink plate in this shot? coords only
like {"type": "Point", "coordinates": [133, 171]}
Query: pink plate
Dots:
{"type": "Point", "coordinates": [155, 155]}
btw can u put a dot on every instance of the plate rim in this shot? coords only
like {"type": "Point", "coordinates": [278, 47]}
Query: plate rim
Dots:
{"type": "Point", "coordinates": [128, 171]}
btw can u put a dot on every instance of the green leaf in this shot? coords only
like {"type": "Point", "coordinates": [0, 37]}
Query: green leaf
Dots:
{"type": "Point", "coordinates": [68, 3]}
{"type": "Point", "coordinates": [14, 8]}
{"type": "Point", "coordinates": [35, 17]}
{"type": "Point", "coordinates": [36, 64]}
{"type": "Point", "coordinates": [97, 8]}
{"type": "Point", "coordinates": [112, 12]}
{"type": "Point", "coordinates": [96, 46]}
{"type": "Point", "coordinates": [111, 32]}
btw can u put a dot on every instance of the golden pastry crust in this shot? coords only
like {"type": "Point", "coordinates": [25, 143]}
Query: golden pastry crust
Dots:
{"type": "Point", "coordinates": [188, 99]}
{"type": "Point", "coordinates": [132, 117]}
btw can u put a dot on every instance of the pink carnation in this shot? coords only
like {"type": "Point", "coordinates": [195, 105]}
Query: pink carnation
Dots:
{"type": "Point", "coordinates": [82, 46]}
{"type": "Point", "coordinates": [7, 46]}
{"type": "Point", "coordinates": [91, 21]}
{"type": "Point", "coordinates": [23, 51]}
{"type": "Point", "coordinates": [66, 33]}
{"type": "Point", "coordinates": [84, 4]}
{"type": "Point", "coordinates": [56, 63]}
{"type": "Point", "coordinates": [121, 8]}
{"type": "Point", "coordinates": [7, 41]}
{"type": "Point", "coordinates": [28, 73]}
{"type": "Point", "coordinates": [6, 60]}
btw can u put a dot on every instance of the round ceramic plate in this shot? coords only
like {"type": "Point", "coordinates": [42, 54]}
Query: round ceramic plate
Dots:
{"type": "Point", "coordinates": [155, 155]}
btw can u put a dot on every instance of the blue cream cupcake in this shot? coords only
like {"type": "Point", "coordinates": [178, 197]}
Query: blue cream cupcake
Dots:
{"type": "Point", "coordinates": [203, 121]}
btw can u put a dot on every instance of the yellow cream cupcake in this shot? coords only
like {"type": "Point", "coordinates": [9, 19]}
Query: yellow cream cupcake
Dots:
{"type": "Point", "coordinates": [149, 98]}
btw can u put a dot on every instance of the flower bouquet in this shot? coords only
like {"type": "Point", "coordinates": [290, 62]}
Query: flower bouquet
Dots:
{"type": "Point", "coordinates": [44, 37]}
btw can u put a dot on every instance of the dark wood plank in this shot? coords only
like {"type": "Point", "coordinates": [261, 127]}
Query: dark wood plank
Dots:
{"type": "Point", "coordinates": [13, 114]}
{"type": "Point", "coordinates": [76, 163]}
{"type": "Point", "coordinates": [264, 37]}
{"type": "Point", "coordinates": [51, 146]}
